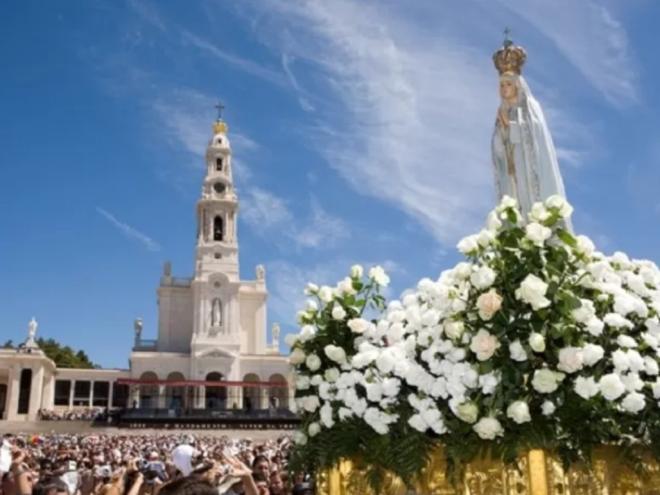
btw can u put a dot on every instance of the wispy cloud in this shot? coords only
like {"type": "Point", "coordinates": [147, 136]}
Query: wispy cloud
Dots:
{"type": "Point", "coordinates": [591, 39]}
{"type": "Point", "coordinates": [246, 65]}
{"type": "Point", "coordinates": [303, 97]}
{"type": "Point", "coordinates": [266, 213]}
{"type": "Point", "coordinates": [128, 231]}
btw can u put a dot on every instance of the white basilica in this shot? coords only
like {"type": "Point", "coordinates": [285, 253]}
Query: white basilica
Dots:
{"type": "Point", "coordinates": [212, 349]}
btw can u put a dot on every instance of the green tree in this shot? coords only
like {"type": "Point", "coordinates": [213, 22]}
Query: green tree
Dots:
{"type": "Point", "coordinates": [8, 345]}
{"type": "Point", "coordinates": [64, 356]}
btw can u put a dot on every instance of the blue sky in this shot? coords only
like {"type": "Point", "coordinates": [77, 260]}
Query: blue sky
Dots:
{"type": "Point", "coordinates": [361, 133]}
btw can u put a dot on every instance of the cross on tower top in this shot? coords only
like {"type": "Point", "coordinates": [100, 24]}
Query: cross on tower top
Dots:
{"type": "Point", "coordinates": [507, 37]}
{"type": "Point", "coordinates": [220, 107]}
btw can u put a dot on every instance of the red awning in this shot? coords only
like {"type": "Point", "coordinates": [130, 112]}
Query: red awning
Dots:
{"type": "Point", "coordinates": [200, 383]}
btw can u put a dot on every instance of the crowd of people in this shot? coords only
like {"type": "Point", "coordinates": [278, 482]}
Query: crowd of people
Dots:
{"type": "Point", "coordinates": [172, 464]}
{"type": "Point", "coordinates": [86, 414]}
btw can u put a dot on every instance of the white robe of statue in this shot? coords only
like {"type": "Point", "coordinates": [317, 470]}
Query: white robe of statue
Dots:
{"type": "Point", "coordinates": [524, 155]}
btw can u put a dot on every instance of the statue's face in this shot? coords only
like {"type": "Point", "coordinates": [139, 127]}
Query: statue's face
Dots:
{"type": "Point", "coordinates": [508, 89]}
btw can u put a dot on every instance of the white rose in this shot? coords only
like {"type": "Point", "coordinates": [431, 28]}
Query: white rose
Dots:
{"type": "Point", "coordinates": [592, 353]}
{"type": "Point", "coordinates": [314, 429]}
{"type": "Point", "coordinates": [519, 412]}
{"type": "Point", "coordinates": [488, 428]}
{"type": "Point", "coordinates": [484, 345]}
{"type": "Point", "coordinates": [611, 386]}
{"type": "Point", "coordinates": [454, 329]}
{"type": "Point", "coordinates": [517, 351]}
{"type": "Point", "coordinates": [539, 213]}
{"type": "Point", "coordinates": [358, 325]}
{"type": "Point", "coordinates": [299, 438]}
{"type": "Point", "coordinates": [488, 304]}
{"type": "Point", "coordinates": [507, 202]}
{"type": "Point", "coordinates": [656, 389]}
{"type": "Point", "coordinates": [626, 341]}
{"type": "Point", "coordinates": [463, 270]}
{"type": "Point", "coordinates": [311, 306]}
{"type": "Point", "coordinates": [310, 403]}
{"type": "Point", "coordinates": [307, 332]}
{"type": "Point", "coordinates": [585, 312]}
{"type": "Point", "coordinates": [331, 375]}
{"type": "Point", "coordinates": [467, 411]}
{"type": "Point", "coordinates": [468, 244]}
{"type": "Point", "coordinates": [338, 312]}
{"type": "Point", "coordinates": [489, 382]}
{"type": "Point", "coordinates": [290, 339]}
{"type": "Point", "coordinates": [483, 277]}
{"type": "Point", "coordinates": [357, 271]}
{"type": "Point", "coordinates": [532, 290]}
{"type": "Point", "coordinates": [493, 223]}
{"type": "Point", "coordinates": [485, 237]}
{"type": "Point", "coordinates": [311, 289]}
{"type": "Point", "coordinates": [595, 327]}
{"type": "Point", "coordinates": [559, 203]}
{"type": "Point", "coordinates": [570, 359]}
{"type": "Point", "coordinates": [378, 275]}
{"type": "Point", "coordinates": [546, 381]}
{"type": "Point", "coordinates": [548, 408]}
{"type": "Point", "coordinates": [651, 366]}
{"type": "Point", "coordinates": [313, 362]}
{"type": "Point", "coordinates": [346, 287]}
{"type": "Point", "coordinates": [297, 356]}
{"type": "Point", "coordinates": [586, 387]}
{"type": "Point", "coordinates": [634, 402]}
{"type": "Point", "coordinates": [325, 294]}
{"type": "Point", "coordinates": [584, 245]}
{"type": "Point", "coordinates": [335, 353]}
{"type": "Point", "coordinates": [537, 233]}
{"type": "Point", "coordinates": [617, 321]}
{"type": "Point", "coordinates": [537, 342]}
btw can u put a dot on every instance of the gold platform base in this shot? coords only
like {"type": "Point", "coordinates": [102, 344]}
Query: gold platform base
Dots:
{"type": "Point", "coordinates": [537, 473]}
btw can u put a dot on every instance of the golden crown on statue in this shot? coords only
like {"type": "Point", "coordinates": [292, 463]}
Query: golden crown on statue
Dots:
{"type": "Point", "coordinates": [510, 57]}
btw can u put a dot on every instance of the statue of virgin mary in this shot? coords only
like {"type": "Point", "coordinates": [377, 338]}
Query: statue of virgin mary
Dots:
{"type": "Point", "coordinates": [524, 155]}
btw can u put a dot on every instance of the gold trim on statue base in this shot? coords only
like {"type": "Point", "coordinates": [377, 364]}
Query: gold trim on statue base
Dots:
{"type": "Point", "coordinates": [537, 473]}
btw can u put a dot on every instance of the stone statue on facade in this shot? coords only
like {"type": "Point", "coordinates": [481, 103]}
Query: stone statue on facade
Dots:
{"type": "Point", "coordinates": [216, 313]}
{"type": "Point", "coordinates": [137, 326]}
{"type": "Point", "coordinates": [260, 272]}
{"type": "Point", "coordinates": [32, 333]}
{"type": "Point", "coordinates": [524, 154]}
{"type": "Point", "coordinates": [276, 335]}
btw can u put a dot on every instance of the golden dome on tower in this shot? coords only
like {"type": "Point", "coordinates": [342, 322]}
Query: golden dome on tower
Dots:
{"type": "Point", "coordinates": [220, 127]}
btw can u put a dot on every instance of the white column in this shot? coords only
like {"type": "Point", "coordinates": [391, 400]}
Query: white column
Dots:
{"type": "Point", "coordinates": [48, 399]}
{"type": "Point", "coordinates": [12, 393]}
{"type": "Point", "coordinates": [36, 391]}
{"type": "Point", "coordinates": [71, 391]}
{"type": "Point", "coordinates": [91, 393]}
{"type": "Point", "coordinates": [111, 391]}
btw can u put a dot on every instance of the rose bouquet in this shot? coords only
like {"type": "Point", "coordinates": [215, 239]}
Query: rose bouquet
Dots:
{"type": "Point", "coordinates": [536, 340]}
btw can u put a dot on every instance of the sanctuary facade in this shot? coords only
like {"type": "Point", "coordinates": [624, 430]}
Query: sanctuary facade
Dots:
{"type": "Point", "coordinates": [212, 350]}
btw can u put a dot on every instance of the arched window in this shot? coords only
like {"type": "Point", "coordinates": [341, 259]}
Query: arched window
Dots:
{"type": "Point", "coordinates": [218, 228]}
{"type": "Point", "coordinates": [218, 164]}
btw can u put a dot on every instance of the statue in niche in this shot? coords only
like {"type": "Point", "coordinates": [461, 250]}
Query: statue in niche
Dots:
{"type": "Point", "coordinates": [524, 154]}
{"type": "Point", "coordinates": [216, 313]}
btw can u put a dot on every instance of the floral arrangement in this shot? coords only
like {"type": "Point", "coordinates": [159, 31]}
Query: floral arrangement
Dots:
{"type": "Point", "coordinates": [535, 341]}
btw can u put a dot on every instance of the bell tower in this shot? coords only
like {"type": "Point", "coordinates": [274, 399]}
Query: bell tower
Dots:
{"type": "Point", "coordinates": [216, 282]}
